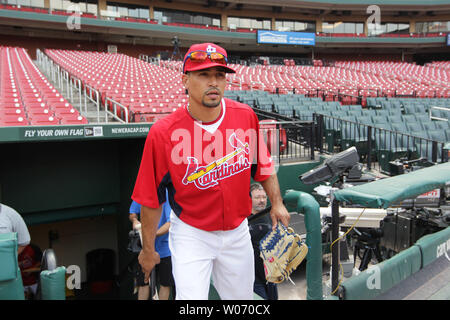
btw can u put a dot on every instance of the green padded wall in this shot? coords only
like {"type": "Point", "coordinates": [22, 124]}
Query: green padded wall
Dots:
{"type": "Point", "coordinates": [365, 286]}
{"type": "Point", "coordinates": [434, 245]}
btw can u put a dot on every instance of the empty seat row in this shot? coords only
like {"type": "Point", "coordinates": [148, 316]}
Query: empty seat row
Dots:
{"type": "Point", "coordinates": [139, 86]}
{"type": "Point", "coordinates": [27, 97]}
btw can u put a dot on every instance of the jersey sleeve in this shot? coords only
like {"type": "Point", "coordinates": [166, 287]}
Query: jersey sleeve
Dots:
{"type": "Point", "coordinates": [19, 226]}
{"type": "Point", "coordinates": [135, 208]}
{"type": "Point", "coordinates": [264, 167]}
{"type": "Point", "coordinates": [153, 175]}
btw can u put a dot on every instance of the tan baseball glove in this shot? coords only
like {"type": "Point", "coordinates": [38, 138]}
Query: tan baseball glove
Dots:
{"type": "Point", "coordinates": [282, 251]}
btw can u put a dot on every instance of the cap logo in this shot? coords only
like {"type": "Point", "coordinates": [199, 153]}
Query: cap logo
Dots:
{"type": "Point", "coordinates": [210, 49]}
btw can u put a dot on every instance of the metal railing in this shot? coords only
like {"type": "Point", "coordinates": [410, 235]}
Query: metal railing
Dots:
{"type": "Point", "coordinates": [115, 107]}
{"type": "Point", "coordinates": [292, 141]}
{"type": "Point", "coordinates": [438, 108]}
{"type": "Point", "coordinates": [66, 83]}
{"type": "Point", "coordinates": [143, 57]}
{"type": "Point", "coordinates": [76, 85]}
{"type": "Point", "coordinates": [71, 85]}
{"type": "Point", "coordinates": [375, 144]}
{"type": "Point", "coordinates": [94, 96]}
{"type": "Point", "coordinates": [288, 141]}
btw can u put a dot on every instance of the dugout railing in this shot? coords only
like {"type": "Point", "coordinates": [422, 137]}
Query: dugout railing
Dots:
{"type": "Point", "coordinates": [376, 144]}
{"type": "Point", "coordinates": [288, 140]}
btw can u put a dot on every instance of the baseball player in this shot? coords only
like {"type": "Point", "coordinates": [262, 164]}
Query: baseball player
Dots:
{"type": "Point", "coordinates": [205, 155]}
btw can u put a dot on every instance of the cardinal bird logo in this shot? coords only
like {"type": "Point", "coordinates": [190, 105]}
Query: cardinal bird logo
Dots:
{"type": "Point", "coordinates": [208, 176]}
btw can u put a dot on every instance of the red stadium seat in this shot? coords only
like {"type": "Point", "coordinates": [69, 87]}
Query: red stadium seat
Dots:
{"type": "Point", "coordinates": [44, 120]}
{"type": "Point", "coordinates": [8, 120]}
{"type": "Point", "coordinates": [12, 112]}
{"type": "Point", "coordinates": [74, 120]}
{"type": "Point", "coordinates": [27, 93]}
{"type": "Point", "coordinates": [38, 113]}
{"type": "Point", "coordinates": [66, 112]}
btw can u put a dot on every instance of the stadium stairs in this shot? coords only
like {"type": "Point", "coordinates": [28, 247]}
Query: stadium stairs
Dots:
{"type": "Point", "coordinates": [86, 107]}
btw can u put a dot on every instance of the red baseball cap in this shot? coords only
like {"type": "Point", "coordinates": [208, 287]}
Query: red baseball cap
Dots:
{"type": "Point", "coordinates": [190, 65]}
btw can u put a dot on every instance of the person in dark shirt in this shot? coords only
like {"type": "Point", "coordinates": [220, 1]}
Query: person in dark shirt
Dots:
{"type": "Point", "coordinates": [259, 227]}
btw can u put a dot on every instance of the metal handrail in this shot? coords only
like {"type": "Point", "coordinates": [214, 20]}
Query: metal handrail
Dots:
{"type": "Point", "coordinates": [76, 83]}
{"type": "Point", "coordinates": [372, 136]}
{"type": "Point", "coordinates": [438, 108]}
{"type": "Point", "coordinates": [64, 79]}
{"type": "Point", "coordinates": [96, 101]}
{"type": "Point", "coordinates": [114, 114]}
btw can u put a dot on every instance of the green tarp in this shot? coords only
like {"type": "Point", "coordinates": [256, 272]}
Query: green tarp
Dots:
{"type": "Point", "coordinates": [384, 192]}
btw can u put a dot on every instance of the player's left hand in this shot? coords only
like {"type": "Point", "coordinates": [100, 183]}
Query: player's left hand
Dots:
{"type": "Point", "coordinates": [279, 213]}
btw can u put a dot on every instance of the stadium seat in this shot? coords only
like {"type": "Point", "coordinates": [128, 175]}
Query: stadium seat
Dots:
{"type": "Point", "coordinates": [399, 127]}
{"type": "Point", "coordinates": [414, 126]}
{"type": "Point", "coordinates": [388, 148]}
{"type": "Point", "coordinates": [75, 119]}
{"type": "Point", "coordinates": [442, 125]}
{"type": "Point", "coordinates": [9, 120]}
{"type": "Point", "coordinates": [428, 126]}
{"type": "Point", "coordinates": [424, 149]}
{"type": "Point", "coordinates": [44, 120]}
{"type": "Point", "coordinates": [28, 93]}
{"type": "Point", "coordinates": [65, 112]}
{"type": "Point", "coordinates": [437, 135]}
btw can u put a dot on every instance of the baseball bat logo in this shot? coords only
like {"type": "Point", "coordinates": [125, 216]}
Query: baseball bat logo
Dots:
{"type": "Point", "coordinates": [208, 176]}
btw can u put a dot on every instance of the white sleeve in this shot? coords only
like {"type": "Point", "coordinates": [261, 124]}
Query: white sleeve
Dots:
{"type": "Point", "coordinates": [19, 226]}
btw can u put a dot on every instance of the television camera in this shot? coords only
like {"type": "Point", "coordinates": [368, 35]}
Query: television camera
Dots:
{"type": "Point", "coordinates": [399, 227]}
{"type": "Point", "coordinates": [344, 170]}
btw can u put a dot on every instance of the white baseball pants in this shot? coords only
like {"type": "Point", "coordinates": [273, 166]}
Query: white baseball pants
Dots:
{"type": "Point", "coordinates": [198, 254]}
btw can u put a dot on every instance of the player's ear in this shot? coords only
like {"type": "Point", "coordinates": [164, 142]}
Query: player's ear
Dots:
{"type": "Point", "coordinates": [185, 81]}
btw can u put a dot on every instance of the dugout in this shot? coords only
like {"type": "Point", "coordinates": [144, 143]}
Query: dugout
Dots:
{"type": "Point", "coordinates": [72, 185]}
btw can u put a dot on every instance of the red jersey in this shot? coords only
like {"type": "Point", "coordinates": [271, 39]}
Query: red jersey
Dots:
{"type": "Point", "coordinates": [206, 167]}
{"type": "Point", "coordinates": [30, 257]}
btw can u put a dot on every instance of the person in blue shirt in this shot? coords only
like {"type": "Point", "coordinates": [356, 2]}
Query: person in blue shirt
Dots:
{"type": "Point", "coordinates": [164, 268]}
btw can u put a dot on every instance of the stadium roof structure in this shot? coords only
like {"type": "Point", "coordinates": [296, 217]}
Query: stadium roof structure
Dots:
{"type": "Point", "coordinates": [324, 6]}
{"type": "Point", "coordinates": [23, 23]}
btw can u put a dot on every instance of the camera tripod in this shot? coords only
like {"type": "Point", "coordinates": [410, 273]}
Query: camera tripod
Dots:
{"type": "Point", "coordinates": [367, 240]}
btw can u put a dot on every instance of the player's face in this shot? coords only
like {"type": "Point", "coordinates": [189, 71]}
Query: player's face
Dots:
{"type": "Point", "coordinates": [259, 200]}
{"type": "Point", "coordinates": [206, 87]}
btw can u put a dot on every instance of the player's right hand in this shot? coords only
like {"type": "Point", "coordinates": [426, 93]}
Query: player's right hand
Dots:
{"type": "Point", "coordinates": [148, 259]}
